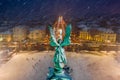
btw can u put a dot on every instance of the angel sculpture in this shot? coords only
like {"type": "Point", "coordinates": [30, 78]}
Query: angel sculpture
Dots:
{"type": "Point", "coordinates": [59, 58]}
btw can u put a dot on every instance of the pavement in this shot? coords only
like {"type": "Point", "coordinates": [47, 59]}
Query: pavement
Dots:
{"type": "Point", "coordinates": [86, 65]}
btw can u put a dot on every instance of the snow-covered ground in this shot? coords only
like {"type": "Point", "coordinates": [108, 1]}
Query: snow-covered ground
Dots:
{"type": "Point", "coordinates": [86, 65]}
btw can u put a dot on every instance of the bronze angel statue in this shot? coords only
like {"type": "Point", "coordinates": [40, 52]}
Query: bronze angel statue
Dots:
{"type": "Point", "coordinates": [59, 57]}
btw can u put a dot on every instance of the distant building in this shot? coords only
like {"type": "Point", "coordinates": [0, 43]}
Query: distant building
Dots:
{"type": "Point", "coordinates": [118, 38]}
{"type": "Point", "coordinates": [104, 37]}
{"type": "Point", "coordinates": [85, 35]}
{"type": "Point", "coordinates": [108, 37]}
{"type": "Point", "coordinates": [46, 39]}
{"type": "Point", "coordinates": [6, 36]}
{"type": "Point", "coordinates": [37, 35]}
{"type": "Point", "coordinates": [118, 35]}
{"type": "Point", "coordinates": [20, 33]}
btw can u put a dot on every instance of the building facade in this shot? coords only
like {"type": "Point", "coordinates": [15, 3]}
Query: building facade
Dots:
{"type": "Point", "coordinates": [85, 35]}
{"type": "Point", "coordinates": [108, 37]}
{"type": "Point", "coordinates": [101, 37]}
{"type": "Point", "coordinates": [6, 36]}
{"type": "Point", "coordinates": [20, 33]}
{"type": "Point", "coordinates": [37, 35]}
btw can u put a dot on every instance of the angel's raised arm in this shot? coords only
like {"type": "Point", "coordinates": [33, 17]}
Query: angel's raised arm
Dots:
{"type": "Point", "coordinates": [53, 41]}
{"type": "Point", "coordinates": [66, 40]}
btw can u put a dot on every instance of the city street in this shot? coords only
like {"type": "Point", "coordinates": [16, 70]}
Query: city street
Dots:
{"type": "Point", "coordinates": [86, 65]}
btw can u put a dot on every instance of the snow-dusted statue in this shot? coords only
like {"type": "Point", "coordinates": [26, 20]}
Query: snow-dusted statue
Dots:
{"type": "Point", "coordinates": [59, 72]}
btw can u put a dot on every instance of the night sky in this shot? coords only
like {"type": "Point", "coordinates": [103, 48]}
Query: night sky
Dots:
{"type": "Point", "coordinates": [26, 10]}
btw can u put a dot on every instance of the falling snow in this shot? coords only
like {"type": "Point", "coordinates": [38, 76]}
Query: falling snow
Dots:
{"type": "Point", "coordinates": [29, 9]}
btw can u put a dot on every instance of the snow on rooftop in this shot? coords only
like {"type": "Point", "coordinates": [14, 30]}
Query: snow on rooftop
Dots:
{"type": "Point", "coordinates": [106, 30]}
{"type": "Point", "coordinates": [21, 26]}
{"type": "Point", "coordinates": [118, 31]}
{"type": "Point", "coordinates": [85, 28]}
{"type": "Point", "coordinates": [6, 32]}
{"type": "Point", "coordinates": [40, 27]}
{"type": "Point", "coordinates": [82, 26]}
{"type": "Point", "coordinates": [97, 27]}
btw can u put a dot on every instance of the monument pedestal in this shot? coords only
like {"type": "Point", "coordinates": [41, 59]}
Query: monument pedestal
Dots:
{"type": "Point", "coordinates": [54, 75]}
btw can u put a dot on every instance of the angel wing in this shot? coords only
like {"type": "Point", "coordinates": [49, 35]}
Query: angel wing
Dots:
{"type": "Point", "coordinates": [66, 40]}
{"type": "Point", "coordinates": [53, 41]}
